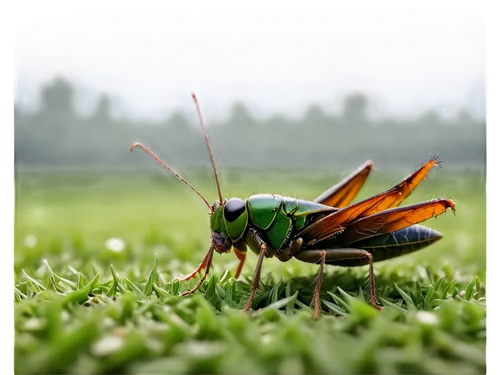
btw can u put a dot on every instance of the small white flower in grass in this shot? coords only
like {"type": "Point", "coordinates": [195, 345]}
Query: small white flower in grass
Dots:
{"type": "Point", "coordinates": [107, 345]}
{"type": "Point", "coordinates": [65, 316]}
{"type": "Point", "coordinates": [33, 324]}
{"type": "Point", "coordinates": [205, 349]}
{"type": "Point", "coordinates": [107, 322]}
{"type": "Point", "coordinates": [30, 240]}
{"type": "Point", "coordinates": [115, 244]}
{"type": "Point", "coordinates": [427, 317]}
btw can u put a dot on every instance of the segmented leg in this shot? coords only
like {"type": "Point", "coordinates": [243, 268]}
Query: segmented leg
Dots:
{"type": "Point", "coordinates": [256, 276]}
{"type": "Point", "coordinates": [319, 280]}
{"type": "Point", "coordinates": [341, 194]}
{"type": "Point", "coordinates": [202, 266]}
{"type": "Point", "coordinates": [241, 255]}
{"type": "Point", "coordinates": [373, 296]}
{"type": "Point", "coordinates": [208, 262]}
{"type": "Point", "coordinates": [336, 255]}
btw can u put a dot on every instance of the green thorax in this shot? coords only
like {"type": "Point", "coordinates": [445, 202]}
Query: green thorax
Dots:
{"type": "Point", "coordinates": [273, 216]}
{"type": "Point", "coordinates": [276, 217]}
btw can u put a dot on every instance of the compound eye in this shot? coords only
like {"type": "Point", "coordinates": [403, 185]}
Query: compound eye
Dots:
{"type": "Point", "coordinates": [233, 209]}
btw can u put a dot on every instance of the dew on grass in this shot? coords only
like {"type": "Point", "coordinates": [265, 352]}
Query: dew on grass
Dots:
{"type": "Point", "coordinates": [205, 349]}
{"type": "Point", "coordinates": [107, 322]}
{"type": "Point", "coordinates": [30, 240]}
{"type": "Point", "coordinates": [427, 317]}
{"type": "Point", "coordinates": [65, 316]}
{"type": "Point", "coordinates": [33, 324]}
{"type": "Point", "coordinates": [107, 345]}
{"type": "Point", "coordinates": [115, 244]}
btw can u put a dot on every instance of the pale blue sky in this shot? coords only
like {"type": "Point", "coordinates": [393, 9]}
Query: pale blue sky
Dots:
{"type": "Point", "coordinates": [277, 62]}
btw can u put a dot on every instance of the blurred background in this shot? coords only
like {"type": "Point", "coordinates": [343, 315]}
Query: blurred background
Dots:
{"type": "Point", "coordinates": [276, 90]}
{"type": "Point", "coordinates": [292, 103]}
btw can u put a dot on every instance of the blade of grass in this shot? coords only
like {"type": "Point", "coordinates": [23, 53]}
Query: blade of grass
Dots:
{"type": "Point", "coordinates": [406, 297]}
{"type": "Point", "coordinates": [148, 288]}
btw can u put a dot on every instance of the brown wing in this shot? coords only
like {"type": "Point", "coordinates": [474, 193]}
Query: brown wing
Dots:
{"type": "Point", "coordinates": [404, 188]}
{"type": "Point", "coordinates": [336, 222]}
{"type": "Point", "coordinates": [341, 194]}
{"type": "Point", "coordinates": [393, 219]}
{"type": "Point", "coordinates": [339, 221]}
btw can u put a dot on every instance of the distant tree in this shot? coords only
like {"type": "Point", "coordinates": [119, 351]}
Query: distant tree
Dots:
{"type": "Point", "coordinates": [468, 136]}
{"type": "Point", "coordinates": [464, 118]}
{"type": "Point", "coordinates": [274, 139]}
{"type": "Point", "coordinates": [237, 134]}
{"type": "Point", "coordinates": [429, 119]}
{"type": "Point", "coordinates": [55, 128]}
{"type": "Point", "coordinates": [57, 98]}
{"type": "Point", "coordinates": [356, 136]}
{"type": "Point", "coordinates": [102, 112]}
{"type": "Point", "coordinates": [240, 115]}
{"type": "Point", "coordinates": [314, 111]}
{"type": "Point", "coordinates": [315, 135]}
{"type": "Point", "coordinates": [355, 111]}
{"type": "Point", "coordinates": [103, 132]}
{"type": "Point", "coordinates": [56, 137]}
{"type": "Point", "coordinates": [181, 139]}
{"type": "Point", "coordinates": [23, 150]}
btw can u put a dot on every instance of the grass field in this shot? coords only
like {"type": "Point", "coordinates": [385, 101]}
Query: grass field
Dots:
{"type": "Point", "coordinates": [88, 304]}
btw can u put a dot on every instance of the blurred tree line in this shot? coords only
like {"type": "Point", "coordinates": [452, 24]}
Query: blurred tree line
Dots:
{"type": "Point", "coordinates": [57, 137]}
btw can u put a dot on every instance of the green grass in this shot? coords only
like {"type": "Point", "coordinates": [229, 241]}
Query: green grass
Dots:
{"type": "Point", "coordinates": [83, 308]}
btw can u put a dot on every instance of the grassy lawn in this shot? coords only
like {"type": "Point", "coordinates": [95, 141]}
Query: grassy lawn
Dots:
{"type": "Point", "coordinates": [96, 256]}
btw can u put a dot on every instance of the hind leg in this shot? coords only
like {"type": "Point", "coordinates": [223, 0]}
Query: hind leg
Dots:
{"type": "Point", "coordinates": [324, 256]}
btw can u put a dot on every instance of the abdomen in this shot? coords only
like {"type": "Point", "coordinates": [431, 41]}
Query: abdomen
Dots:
{"type": "Point", "coordinates": [384, 246]}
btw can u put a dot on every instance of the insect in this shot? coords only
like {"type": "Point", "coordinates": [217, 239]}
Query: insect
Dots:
{"type": "Point", "coordinates": [327, 230]}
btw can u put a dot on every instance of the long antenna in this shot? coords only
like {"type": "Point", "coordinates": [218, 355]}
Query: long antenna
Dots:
{"type": "Point", "coordinates": [208, 146]}
{"type": "Point", "coordinates": [170, 169]}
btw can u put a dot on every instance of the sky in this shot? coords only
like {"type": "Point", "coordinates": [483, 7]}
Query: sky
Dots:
{"type": "Point", "coordinates": [405, 61]}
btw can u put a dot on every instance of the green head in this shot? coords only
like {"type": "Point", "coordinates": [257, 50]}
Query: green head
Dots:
{"type": "Point", "coordinates": [228, 222]}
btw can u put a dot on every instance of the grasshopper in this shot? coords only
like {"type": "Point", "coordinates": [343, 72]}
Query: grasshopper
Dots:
{"type": "Point", "coordinates": [326, 230]}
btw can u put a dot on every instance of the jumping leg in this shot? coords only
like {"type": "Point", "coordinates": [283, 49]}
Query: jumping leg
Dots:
{"type": "Point", "coordinates": [336, 256]}
{"type": "Point", "coordinates": [319, 280]}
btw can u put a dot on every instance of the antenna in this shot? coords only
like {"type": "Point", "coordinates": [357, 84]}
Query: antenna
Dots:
{"type": "Point", "coordinates": [208, 146]}
{"type": "Point", "coordinates": [170, 170]}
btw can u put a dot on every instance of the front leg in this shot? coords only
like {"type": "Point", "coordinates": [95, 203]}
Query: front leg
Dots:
{"type": "Point", "coordinates": [207, 262]}
{"type": "Point", "coordinates": [202, 266]}
{"type": "Point", "coordinates": [256, 276]}
{"type": "Point", "coordinates": [240, 250]}
{"type": "Point", "coordinates": [256, 243]}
